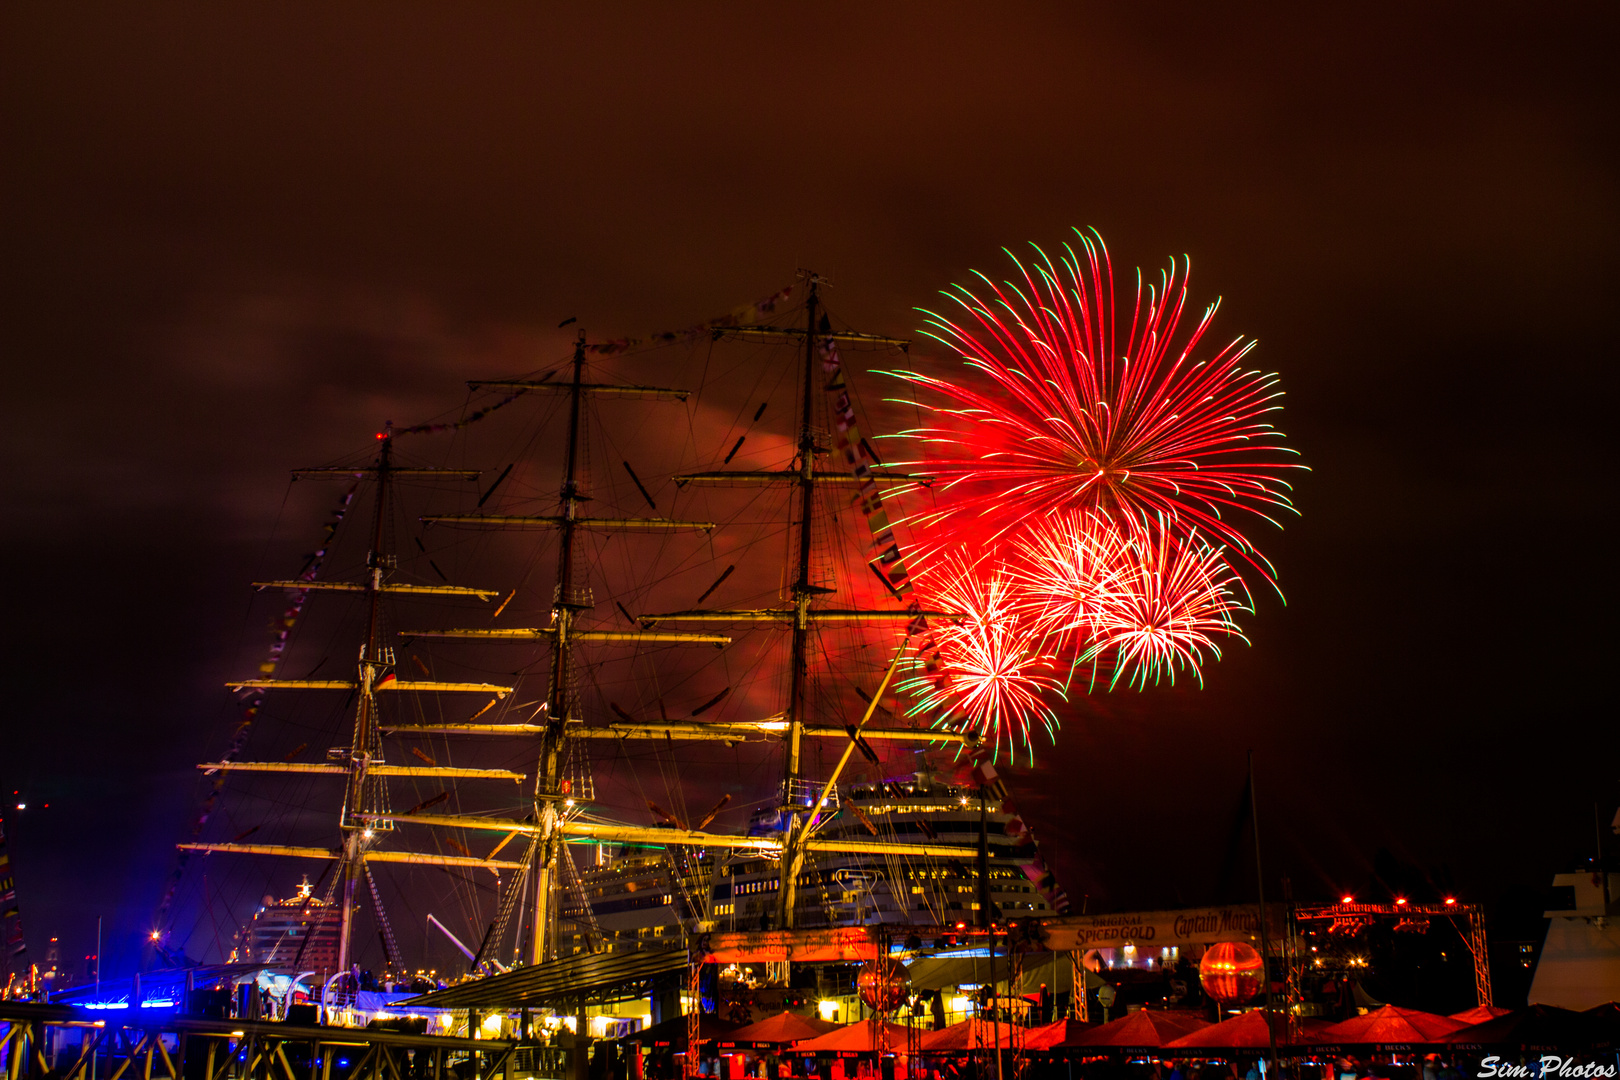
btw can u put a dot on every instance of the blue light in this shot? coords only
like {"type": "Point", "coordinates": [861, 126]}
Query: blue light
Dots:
{"type": "Point", "coordinates": [158, 1003]}
{"type": "Point", "coordinates": [106, 1004]}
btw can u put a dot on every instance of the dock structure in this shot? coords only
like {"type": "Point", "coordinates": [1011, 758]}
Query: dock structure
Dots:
{"type": "Point", "coordinates": [75, 1043]}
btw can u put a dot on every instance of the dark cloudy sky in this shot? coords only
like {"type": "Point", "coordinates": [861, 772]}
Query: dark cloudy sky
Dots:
{"type": "Point", "coordinates": [238, 238]}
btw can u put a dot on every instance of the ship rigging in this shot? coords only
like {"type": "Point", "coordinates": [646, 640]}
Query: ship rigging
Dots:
{"type": "Point", "coordinates": [557, 730]}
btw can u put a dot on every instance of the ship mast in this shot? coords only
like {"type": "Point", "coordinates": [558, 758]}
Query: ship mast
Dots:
{"type": "Point", "coordinates": [551, 790]}
{"type": "Point", "coordinates": [795, 796]}
{"type": "Point", "coordinates": [559, 702]}
{"type": "Point", "coordinates": [803, 592]}
{"type": "Point", "coordinates": [367, 740]}
{"type": "Point", "coordinates": [365, 808]}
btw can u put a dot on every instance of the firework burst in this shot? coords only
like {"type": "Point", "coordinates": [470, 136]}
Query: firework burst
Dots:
{"type": "Point", "coordinates": [1174, 598]}
{"type": "Point", "coordinates": [1066, 417]}
{"type": "Point", "coordinates": [989, 664]}
{"type": "Point", "coordinates": [1138, 601]}
{"type": "Point", "coordinates": [1065, 573]}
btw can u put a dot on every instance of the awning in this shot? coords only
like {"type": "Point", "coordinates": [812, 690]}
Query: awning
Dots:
{"type": "Point", "coordinates": [561, 982]}
{"type": "Point", "coordinates": [939, 972]}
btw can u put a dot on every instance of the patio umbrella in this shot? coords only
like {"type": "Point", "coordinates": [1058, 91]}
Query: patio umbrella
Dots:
{"type": "Point", "coordinates": [1144, 1027]}
{"type": "Point", "coordinates": [1605, 1021]}
{"type": "Point", "coordinates": [1049, 1035]}
{"type": "Point", "coordinates": [859, 1036]}
{"type": "Point", "coordinates": [1390, 1024]}
{"type": "Point", "coordinates": [1535, 1027]}
{"type": "Point", "coordinates": [1253, 1030]}
{"type": "Point", "coordinates": [970, 1034]}
{"type": "Point", "coordinates": [784, 1027]}
{"type": "Point", "coordinates": [1479, 1014]}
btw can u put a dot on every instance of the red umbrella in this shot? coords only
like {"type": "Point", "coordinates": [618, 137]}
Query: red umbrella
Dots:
{"type": "Point", "coordinates": [1144, 1027]}
{"type": "Point", "coordinates": [1049, 1035]}
{"type": "Point", "coordinates": [1479, 1014]}
{"type": "Point", "coordinates": [1535, 1027]}
{"type": "Point", "coordinates": [1253, 1030]}
{"type": "Point", "coordinates": [970, 1034]}
{"type": "Point", "coordinates": [784, 1027]}
{"type": "Point", "coordinates": [1605, 1020]}
{"type": "Point", "coordinates": [1390, 1024]}
{"type": "Point", "coordinates": [859, 1036]}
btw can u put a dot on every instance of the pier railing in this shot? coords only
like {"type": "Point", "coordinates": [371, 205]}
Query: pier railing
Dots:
{"type": "Point", "coordinates": [66, 1042]}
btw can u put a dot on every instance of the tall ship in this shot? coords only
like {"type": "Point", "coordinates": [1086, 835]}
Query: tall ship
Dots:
{"type": "Point", "coordinates": [601, 660]}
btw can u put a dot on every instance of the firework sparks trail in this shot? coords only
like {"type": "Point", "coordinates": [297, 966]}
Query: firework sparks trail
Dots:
{"type": "Point", "coordinates": [1070, 420]}
{"type": "Point", "coordinates": [991, 665]}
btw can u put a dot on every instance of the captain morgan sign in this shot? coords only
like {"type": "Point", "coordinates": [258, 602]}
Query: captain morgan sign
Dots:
{"type": "Point", "coordinates": [1189, 926]}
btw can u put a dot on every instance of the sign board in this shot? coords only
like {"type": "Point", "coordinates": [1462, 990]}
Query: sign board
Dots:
{"type": "Point", "coordinates": [1156, 929]}
{"type": "Point", "coordinates": [834, 944]}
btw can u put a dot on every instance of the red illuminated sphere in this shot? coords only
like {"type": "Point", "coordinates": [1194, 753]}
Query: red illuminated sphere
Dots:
{"type": "Point", "coordinates": [1231, 971]}
{"type": "Point", "coordinates": [883, 984]}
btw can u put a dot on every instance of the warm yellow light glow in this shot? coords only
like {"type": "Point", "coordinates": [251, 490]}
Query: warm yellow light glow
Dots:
{"type": "Point", "coordinates": [492, 1022]}
{"type": "Point", "coordinates": [826, 1009]}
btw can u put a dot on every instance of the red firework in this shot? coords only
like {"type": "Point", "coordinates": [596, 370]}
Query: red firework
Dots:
{"type": "Point", "coordinates": [1066, 572]}
{"type": "Point", "coordinates": [1139, 601]}
{"type": "Point", "coordinates": [1070, 419]}
{"type": "Point", "coordinates": [990, 665]}
{"type": "Point", "coordinates": [1181, 598]}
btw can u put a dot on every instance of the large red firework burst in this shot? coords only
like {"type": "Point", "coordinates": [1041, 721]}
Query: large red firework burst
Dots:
{"type": "Point", "coordinates": [1094, 464]}
{"type": "Point", "coordinates": [1065, 415]}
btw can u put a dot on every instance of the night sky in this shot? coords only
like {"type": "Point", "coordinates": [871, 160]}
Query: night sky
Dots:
{"type": "Point", "coordinates": [239, 240]}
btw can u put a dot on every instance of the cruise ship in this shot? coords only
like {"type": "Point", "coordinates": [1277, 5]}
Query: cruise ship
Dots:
{"type": "Point", "coordinates": [293, 935]}
{"type": "Point", "coordinates": [637, 898]}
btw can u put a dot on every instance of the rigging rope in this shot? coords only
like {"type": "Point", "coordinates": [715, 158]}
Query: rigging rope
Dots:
{"type": "Point", "coordinates": [390, 946]}
{"type": "Point", "coordinates": [514, 891]}
{"type": "Point", "coordinates": [281, 631]}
